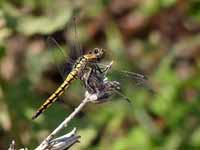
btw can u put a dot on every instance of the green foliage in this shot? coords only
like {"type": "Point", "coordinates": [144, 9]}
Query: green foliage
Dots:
{"type": "Point", "coordinates": [151, 7]}
{"type": "Point", "coordinates": [194, 10]}
{"type": "Point", "coordinates": [2, 51]}
{"type": "Point", "coordinates": [153, 36]}
{"type": "Point", "coordinates": [30, 25]}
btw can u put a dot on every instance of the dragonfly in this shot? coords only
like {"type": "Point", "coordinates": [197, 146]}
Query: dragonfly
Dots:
{"type": "Point", "coordinates": [87, 68]}
{"type": "Point", "coordinates": [81, 65]}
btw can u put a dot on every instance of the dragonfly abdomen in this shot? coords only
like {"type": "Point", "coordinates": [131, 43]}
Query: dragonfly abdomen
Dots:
{"type": "Point", "coordinates": [71, 77]}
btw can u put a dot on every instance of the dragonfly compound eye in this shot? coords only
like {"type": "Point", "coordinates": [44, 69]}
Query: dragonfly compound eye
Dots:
{"type": "Point", "coordinates": [96, 50]}
{"type": "Point", "coordinates": [100, 53]}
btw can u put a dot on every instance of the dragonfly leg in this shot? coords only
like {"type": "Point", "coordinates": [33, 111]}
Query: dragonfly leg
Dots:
{"type": "Point", "coordinates": [105, 70]}
{"type": "Point", "coordinates": [86, 80]}
{"type": "Point", "coordinates": [108, 67]}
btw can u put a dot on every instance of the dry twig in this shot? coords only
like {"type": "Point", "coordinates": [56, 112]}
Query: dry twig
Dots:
{"type": "Point", "coordinates": [69, 139]}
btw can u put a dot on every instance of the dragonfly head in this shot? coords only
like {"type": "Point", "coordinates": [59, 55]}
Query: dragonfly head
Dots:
{"type": "Point", "coordinates": [96, 53]}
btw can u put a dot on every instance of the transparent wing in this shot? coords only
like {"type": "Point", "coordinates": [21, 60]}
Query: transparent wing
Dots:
{"type": "Point", "coordinates": [64, 60]}
{"type": "Point", "coordinates": [61, 59]}
{"type": "Point", "coordinates": [76, 37]}
{"type": "Point", "coordinates": [98, 82]}
{"type": "Point", "coordinates": [124, 76]}
{"type": "Point", "coordinates": [72, 38]}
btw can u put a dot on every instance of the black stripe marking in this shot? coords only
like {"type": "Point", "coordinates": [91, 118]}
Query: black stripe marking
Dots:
{"type": "Point", "coordinates": [55, 95]}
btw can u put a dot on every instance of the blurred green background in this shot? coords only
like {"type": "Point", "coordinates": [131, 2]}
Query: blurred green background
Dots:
{"type": "Point", "coordinates": [159, 38]}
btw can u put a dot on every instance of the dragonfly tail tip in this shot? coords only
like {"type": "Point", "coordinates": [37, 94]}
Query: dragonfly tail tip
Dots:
{"type": "Point", "coordinates": [34, 116]}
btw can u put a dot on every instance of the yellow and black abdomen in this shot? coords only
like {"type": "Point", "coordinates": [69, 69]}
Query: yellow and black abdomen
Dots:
{"type": "Point", "coordinates": [71, 77]}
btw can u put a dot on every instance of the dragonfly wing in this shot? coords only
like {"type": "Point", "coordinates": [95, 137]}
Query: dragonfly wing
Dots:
{"type": "Point", "coordinates": [76, 37]}
{"type": "Point", "coordinates": [72, 38]}
{"type": "Point", "coordinates": [99, 83]}
{"type": "Point", "coordinates": [138, 80]}
{"type": "Point", "coordinates": [62, 61]}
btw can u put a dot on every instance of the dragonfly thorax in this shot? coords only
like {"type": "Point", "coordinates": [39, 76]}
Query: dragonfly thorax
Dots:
{"type": "Point", "coordinates": [95, 54]}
